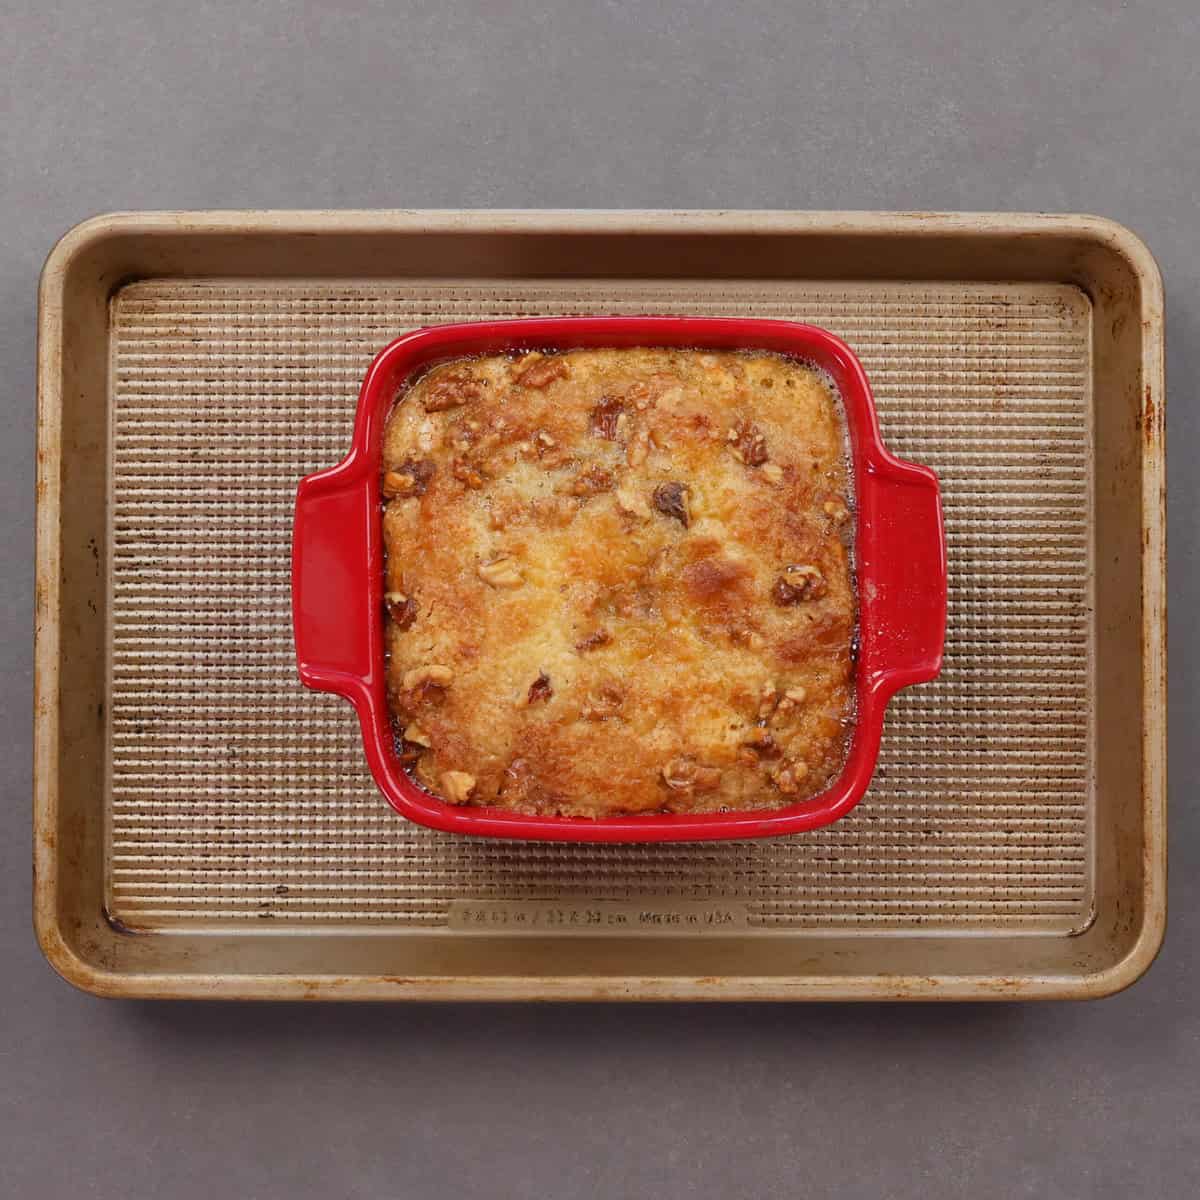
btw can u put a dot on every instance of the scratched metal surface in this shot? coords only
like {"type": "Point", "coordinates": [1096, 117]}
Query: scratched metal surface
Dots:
{"type": "Point", "coordinates": [234, 795]}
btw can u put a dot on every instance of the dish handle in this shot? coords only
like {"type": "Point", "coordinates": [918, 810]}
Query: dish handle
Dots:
{"type": "Point", "coordinates": [335, 594]}
{"type": "Point", "coordinates": [908, 604]}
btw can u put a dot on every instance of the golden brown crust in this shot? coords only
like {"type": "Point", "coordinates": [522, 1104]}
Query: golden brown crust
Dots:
{"type": "Point", "coordinates": [617, 581]}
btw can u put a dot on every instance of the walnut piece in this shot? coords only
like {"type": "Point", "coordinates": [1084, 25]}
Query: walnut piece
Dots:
{"type": "Point", "coordinates": [603, 702]}
{"type": "Point", "coordinates": [401, 608]}
{"type": "Point", "coordinates": [541, 372]}
{"type": "Point", "coordinates": [789, 777]}
{"type": "Point", "coordinates": [836, 511]}
{"type": "Point", "coordinates": [410, 478]}
{"type": "Point", "coordinates": [594, 640]}
{"type": "Point", "coordinates": [415, 734]}
{"type": "Point", "coordinates": [772, 472]}
{"type": "Point", "coordinates": [798, 583]}
{"type": "Point", "coordinates": [467, 473]}
{"type": "Point", "coordinates": [433, 673]}
{"type": "Point", "coordinates": [686, 775]}
{"type": "Point", "coordinates": [671, 499]}
{"type": "Point", "coordinates": [748, 444]}
{"type": "Point", "coordinates": [591, 482]}
{"type": "Point", "coordinates": [630, 503]}
{"type": "Point", "coordinates": [451, 388]}
{"type": "Point", "coordinates": [638, 448]}
{"type": "Point", "coordinates": [540, 690]}
{"type": "Point", "coordinates": [760, 740]}
{"type": "Point", "coordinates": [501, 573]}
{"type": "Point", "coordinates": [768, 699]}
{"type": "Point", "coordinates": [457, 786]}
{"type": "Point", "coordinates": [606, 418]}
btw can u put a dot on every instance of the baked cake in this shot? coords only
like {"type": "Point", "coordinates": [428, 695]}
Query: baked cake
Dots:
{"type": "Point", "coordinates": [619, 581]}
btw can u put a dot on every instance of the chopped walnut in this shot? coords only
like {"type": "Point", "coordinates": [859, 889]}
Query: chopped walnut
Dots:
{"type": "Point", "coordinates": [641, 394]}
{"type": "Point", "coordinates": [630, 503]}
{"type": "Point", "coordinates": [467, 473]}
{"type": "Point", "coordinates": [686, 775]}
{"type": "Point", "coordinates": [772, 472]}
{"type": "Point", "coordinates": [410, 478]}
{"type": "Point", "coordinates": [748, 444]}
{"type": "Point", "coordinates": [606, 418]}
{"type": "Point", "coordinates": [603, 702]}
{"type": "Point", "coordinates": [434, 674]}
{"type": "Point", "coordinates": [760, 740]}
{"type": "Point", "coordinates": [457, 786]}
{"type": "Point", "coordinates": [540, 690]}
{"type": "Point", "coordinates": [671, 499]}
{"type": "Point", "coordinates": [415, 734]}
{"type": "Point", "coordinates": [768, 699]}
{"type": "Point", "coordinates": [797, 695]}
{"type": "Point", "coordinates": [501, 572]}
{"type": "Point", "coordinates": [789, 777]}
{"type": "Point", "coordinates": [449, 389]}
{"type": "Point", "coordinates": [542, 372]}
{"type": "Point", "coordinates": [798, 583]}
{"type": "Point", "coordinates": [401, 608]}
{"type": "Point", "coordinates": [591, 482]}
{"type": "Point", "coordinates": [836, 511]}
{"type": "Point", "coordinates": [638, 448]}
{"type": "Point", "coordinates": [593, 641]}
{"type": "Point", "coordinates": [543, 441]}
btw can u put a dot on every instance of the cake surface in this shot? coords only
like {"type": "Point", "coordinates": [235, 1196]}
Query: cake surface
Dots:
{"type": "Point", "coordinates": [617, 581]}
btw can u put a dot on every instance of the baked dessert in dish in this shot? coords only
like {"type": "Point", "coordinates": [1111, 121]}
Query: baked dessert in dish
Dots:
{"type": "Point", "coordinates": [619, 581]}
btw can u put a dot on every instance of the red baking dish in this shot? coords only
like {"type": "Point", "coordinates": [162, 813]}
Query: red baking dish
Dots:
{"type": "Point", "coordinates": [337, 570]}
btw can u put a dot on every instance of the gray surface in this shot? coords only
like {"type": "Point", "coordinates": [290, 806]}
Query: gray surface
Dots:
{"type": "Point", "coordinates": [981, 105]}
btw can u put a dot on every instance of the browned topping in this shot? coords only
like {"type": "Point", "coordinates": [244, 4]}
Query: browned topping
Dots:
{"type": "Point", "coordinates": [450, 388]}
{"type": "Point", "coordinates": [712, 577]}
{"type": "Point", "coordinates": [567, 495]}
{"type": "Point", "coordinates": [748, 443]}
{"type": "Point", "coordinates": [457, 786]}
{"type": "Point", "coordinates": [540, 690]}
{"type": "Point", "coordinates": [686, 775]}
{"type": "Point", "coordinates": [501, 572]}
{"type": "Point", "coordinates": [542, 372]}
{"type": "Point", "coordinates": [671, 499]}
{"type": "Point", "coordinates": [593, 641]}
{"type": "Point", "coordinates": [591, 482]}
{"type": "Point", "coordinates": [606, 416]}
{"type": "Point", "coordinates": [401, 608]}
{"type": "Point", "coordinates": [799, 583]}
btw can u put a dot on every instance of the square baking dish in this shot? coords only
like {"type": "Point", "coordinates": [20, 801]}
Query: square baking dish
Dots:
{"type": "Point", "coordinates": [205, 825]}
{"type": "Point", "coordinates": [337, 569]}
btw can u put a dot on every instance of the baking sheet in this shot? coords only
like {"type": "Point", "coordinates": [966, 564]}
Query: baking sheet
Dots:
{"type": "Point", "coordinates": [205, 827]}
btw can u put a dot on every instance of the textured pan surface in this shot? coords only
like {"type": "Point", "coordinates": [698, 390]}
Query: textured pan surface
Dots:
{"type": "Point", "coordinates": [234, 795]}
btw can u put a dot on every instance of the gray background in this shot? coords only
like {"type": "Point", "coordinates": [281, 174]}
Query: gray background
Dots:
{"type": "Point", "coordinates": [1028, 104]}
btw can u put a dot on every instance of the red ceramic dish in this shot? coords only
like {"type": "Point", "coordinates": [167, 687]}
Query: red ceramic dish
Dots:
{"type": "Point", "coordinates": [337, 570]}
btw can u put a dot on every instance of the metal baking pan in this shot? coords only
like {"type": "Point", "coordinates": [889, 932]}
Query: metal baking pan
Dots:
{"type": "Point", "coordinates": [204, 827]}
